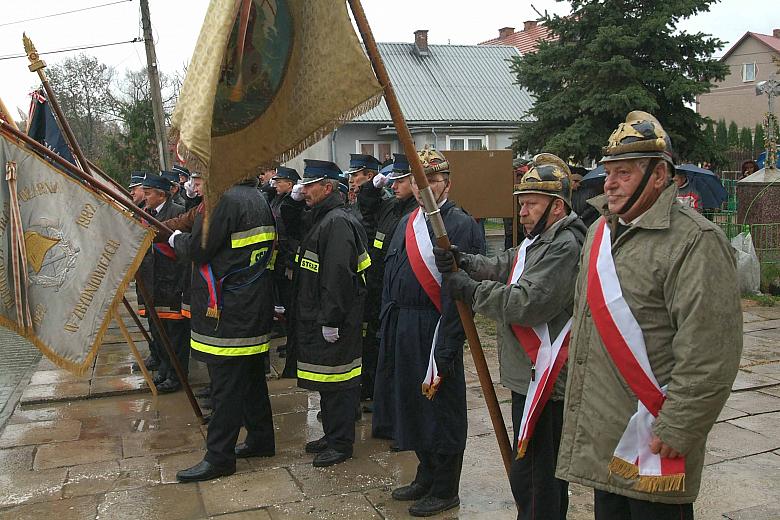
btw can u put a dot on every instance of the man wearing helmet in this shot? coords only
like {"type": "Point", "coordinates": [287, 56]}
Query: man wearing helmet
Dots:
{"type": "Point", "coordinates": [657, 336]}
{"type": "Point", "coordinates": [420, 336]}
{"type": "Point", "coordinates": [529, 291]}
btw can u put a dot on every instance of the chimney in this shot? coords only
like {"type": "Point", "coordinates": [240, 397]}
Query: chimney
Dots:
{"type": "Point", "coordinates": [776, 33]}
{"type": "Point", "coordinates": [529, 24]}
{"type": "Point", "coordinates": [421, 42]}
{"type": "Point", "coordinates": [506, 31]}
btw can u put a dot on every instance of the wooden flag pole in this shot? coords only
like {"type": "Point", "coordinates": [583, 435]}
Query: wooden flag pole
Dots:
{"type": "Point", "coordinates": [136, 354]}
{"type": "Point", "coordinates": [168, 347]}
{"type": "Point", "coordinates": [432, 210]}
{"type": "Point", "coordinates": [74, 170]}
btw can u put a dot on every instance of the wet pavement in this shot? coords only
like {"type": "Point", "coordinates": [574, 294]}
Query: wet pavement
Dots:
{"type": "Point", "coordinates": [102, 447]}
{"type": "Point", "coordinates": [17, 360]}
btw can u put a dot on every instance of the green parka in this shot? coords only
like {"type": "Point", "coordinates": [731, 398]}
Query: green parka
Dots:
{"type": "Point", "coordinates": [678, 275]}
{"type": "Point", "coordinates": [543, 294]}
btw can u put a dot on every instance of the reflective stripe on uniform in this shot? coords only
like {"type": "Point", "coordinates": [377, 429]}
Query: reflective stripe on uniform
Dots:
{"type": "Point", "coordinates": [365, 328]}
{"type": "Point", "coordinates": [379, 240]}
{"type": "Point", "coordinates": [230, 346]}
{"type": "Point", "coordinates": [185, 310]}
{"type": "Point", "coordinates": [310, 261]}
{"type": "Point", "coordinates": [272, 261]}
{"type": "Point", "coordinates": [363, 261]}
{"type": "Point", "coordinates": [330, 374]}
{"type": "Point", "coordinates": [252, 236]}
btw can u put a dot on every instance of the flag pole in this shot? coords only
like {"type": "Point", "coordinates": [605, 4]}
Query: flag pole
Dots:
{"type": "Point", "coordinates": [71, 168]}
{"type": "Point", "coordinates": [432, 210]}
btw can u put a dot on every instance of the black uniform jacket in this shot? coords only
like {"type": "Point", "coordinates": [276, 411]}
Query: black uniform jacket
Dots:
{"type": "Point", "coordinates": [161, 274]}
{"type": "Point", "coordinates": [329, 290]}
{"type": "Point", "coordinates": [232, 291]}
{"type": "Point", "coordinates": [409, 320]}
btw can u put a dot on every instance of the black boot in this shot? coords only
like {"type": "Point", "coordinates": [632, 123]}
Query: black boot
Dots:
{"type": "Point", "coordinates": [329, 457]}
{"type": "Point", "coordinates": [317, 446]}
{"type": "Point", "coordinates": [429, 506]}
{"type": "Point", "coordinates": [204, 470]}
{"type": "Point", "coordinates": [244, 451]}
{"type": "Point", "coordinates": [413, 491]}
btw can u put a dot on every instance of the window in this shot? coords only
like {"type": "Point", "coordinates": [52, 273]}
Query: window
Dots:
{"type": "Point", "coordinates": [380, 150]}
{"type": "Point", "coordinates": [748, 72]}
{"type": "Point", "coordinates": [467, 142]}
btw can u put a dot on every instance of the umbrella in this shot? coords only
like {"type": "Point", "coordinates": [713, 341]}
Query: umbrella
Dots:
{"type": "Point", "coordinates": [597, 174]}
{"type": "Point", "coordinates": [707, 184]}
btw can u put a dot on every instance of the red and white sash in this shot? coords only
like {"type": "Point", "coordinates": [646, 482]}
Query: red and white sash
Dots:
{"type": "Point", "coordinates": [623, 339]}
{"type": "Point", "coordinates": [548, 357]}
{"type": "Point", "coordinates": [419, 249]}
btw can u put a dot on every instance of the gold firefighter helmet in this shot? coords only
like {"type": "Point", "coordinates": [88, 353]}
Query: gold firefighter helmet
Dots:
{"type": "Point", "coordinates": [433, 161]}
{"type": "Point", "coordinates": [549, 175]}
{"type": "Point", "coordinates": [640, 136]}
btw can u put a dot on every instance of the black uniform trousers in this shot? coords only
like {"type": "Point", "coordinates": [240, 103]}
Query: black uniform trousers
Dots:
{"type": "Point", "coordinates": [154, 347]}
{"type": "Point", "coordinates": [338, 417]}
{"type": "Point", "coordinates": [370, 358]}
{"type": "Point", "coordinates": [440, 472]}
{"type": "Point", "coordinates": [538, 494]}
{"type": "Point", "coordinates": [240, 396]}
{"type": "Point", "coordinates": [178, 332]}
{"type": "Point", "coordinates": [609, 506]}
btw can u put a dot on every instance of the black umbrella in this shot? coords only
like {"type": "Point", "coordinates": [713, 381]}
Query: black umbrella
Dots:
{"type": "Point", "coordinates": [707, 184]}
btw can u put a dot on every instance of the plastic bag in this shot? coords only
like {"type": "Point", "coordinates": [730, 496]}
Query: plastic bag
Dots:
{"type": "Point", "coordinates": [748, 266]}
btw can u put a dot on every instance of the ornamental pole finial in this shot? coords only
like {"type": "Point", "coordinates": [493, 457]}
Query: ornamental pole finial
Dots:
{"type": "Point", "coordinates": [36, 63]}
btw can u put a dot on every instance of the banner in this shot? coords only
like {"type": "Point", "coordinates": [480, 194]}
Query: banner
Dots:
{"type": "Point", "coordinates": [42, 126]}
{"type": "Point", "coordinates": [267, 79]}
{"type": "Point", "coordinates": [81, 250]}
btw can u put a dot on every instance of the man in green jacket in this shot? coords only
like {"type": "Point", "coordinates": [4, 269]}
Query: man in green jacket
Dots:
{"type": "Point", "coordinates": [529, 291]}
{"type": "Point", "coordinates": [657, 337]}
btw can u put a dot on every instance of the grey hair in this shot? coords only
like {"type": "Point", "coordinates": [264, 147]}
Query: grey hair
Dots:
{"type": "Point", "coordinates": [333, 183]}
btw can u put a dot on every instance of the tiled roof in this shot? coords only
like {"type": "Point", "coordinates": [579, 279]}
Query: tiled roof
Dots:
{"type": "Point", "coordinates": [524, 41]}
{"type": "Point", "coordinates": [766, 39]}
{"type": "Point", "coordinates": [453, 83]}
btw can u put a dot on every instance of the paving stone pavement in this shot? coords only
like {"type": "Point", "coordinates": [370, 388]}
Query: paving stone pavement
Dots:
{"type": "Point", "coordinates": [102, 447]}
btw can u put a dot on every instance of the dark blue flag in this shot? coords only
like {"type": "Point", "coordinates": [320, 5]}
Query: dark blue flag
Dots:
{"type": "Point", "coordinates": [43, 127]}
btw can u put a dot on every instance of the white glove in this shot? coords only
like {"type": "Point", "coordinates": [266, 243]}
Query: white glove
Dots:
{"type": "Point", "coordinates": [190, 189]}
{"type": "Point", "coordinates": [278, 309]}
{"type": "Point", "coordinates": [331, 334]}
{"type": "Point", "coordinates": [380, 180]}
{"type": "Point", "coordinates": [297, 192]}
{"type": "Point", "coordinates": [272, 183]}
{"type": "Point", "coordinates": [172, 237]}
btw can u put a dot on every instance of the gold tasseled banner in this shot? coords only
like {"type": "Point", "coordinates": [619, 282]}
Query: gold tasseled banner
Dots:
{"type": "Point", "coordinates": [661, 483]}
{"type": "Point", "coordinates": [622, 468]}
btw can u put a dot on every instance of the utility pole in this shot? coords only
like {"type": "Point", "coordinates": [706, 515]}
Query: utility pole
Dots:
{"type": "Point", "coordinates": [154, 87]}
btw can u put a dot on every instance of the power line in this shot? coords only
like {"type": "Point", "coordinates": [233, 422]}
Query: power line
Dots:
{"type": "Point", "coordinates": [15, 56]}
{"type": "Point", "coordinates": [63, 13]}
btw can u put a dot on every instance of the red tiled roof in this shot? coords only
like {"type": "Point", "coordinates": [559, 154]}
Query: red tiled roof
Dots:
{"type": "Point", "coordinates": [766, 39]}
{"type": "Point", "coordinates": [769, 40]}
{"type": "Point", "coordinates": [524, 41]}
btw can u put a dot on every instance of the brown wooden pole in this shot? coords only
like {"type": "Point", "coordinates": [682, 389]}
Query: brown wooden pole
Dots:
{"type": "Point", "coordinates": [168, 347]}
{"type": "Point", "coordinates": [71, 168]}
{"type": "Point", "coordinates": [137, 355]}
{"type": "Point", "coordinates": [432, 210]}
{"type": "Point", "coordinates": [136, 320]}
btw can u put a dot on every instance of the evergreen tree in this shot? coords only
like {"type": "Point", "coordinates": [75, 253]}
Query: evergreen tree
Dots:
{"type": "Point", "coordinates": [746, 140]}
{"type": "Point", "coordinates": [733, 135]}
{"type": "Point", "coordinates": [758, 141]}
{"type": "Point", "coordinates": [609, 57]}
{"type": "Point", "coordinates": [722, 135]}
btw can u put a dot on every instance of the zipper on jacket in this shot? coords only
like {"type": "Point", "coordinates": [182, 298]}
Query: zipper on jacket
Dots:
{"type": "Point", "coordinates": [533, 372]}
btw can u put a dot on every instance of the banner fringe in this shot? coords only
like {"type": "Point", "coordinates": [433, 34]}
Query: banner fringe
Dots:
{"type": "Point", "coordinates": [623, 469]}
{"type": "Point", "coordinates": [661, 483]}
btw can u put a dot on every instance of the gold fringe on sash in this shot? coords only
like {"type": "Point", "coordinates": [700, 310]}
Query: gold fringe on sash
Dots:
{"type": "Point", "coordinates": [521, 448]}
{"type": "Point", "coordinates": [623, 469]}
{"type": "Point", "coordinates": [212, 312]}
{"type": "Point", "coordinates": [661, 483]}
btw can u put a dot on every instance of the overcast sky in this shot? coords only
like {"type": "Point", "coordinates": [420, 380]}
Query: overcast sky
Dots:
{"type": "Point", "coordinates": [176, 25]}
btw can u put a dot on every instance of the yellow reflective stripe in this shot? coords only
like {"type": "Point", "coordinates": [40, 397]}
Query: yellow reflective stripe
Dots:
{"type": "Point", "coordinates": [378, 243]}
{"type": "Point", "coordinates": [252, 236]}
{"type": "Point", "coordinates": [230, 351]}
{"type": "Point", "coordinates": [272, 261]}
{"type": "Point", "coordinates": [363, 262]}
{"type": "Point", "coordinates": [330, 378]}
{"type": "Point", "coordinates": [310, 265]}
